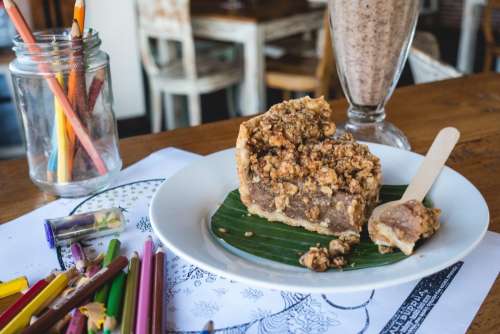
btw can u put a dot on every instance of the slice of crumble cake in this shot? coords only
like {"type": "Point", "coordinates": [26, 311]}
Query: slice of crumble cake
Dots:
{"type": "Point", "coordinates": [291, 170]}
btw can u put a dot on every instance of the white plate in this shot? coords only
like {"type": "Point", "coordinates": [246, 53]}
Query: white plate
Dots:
{"type": "Point", "coordinates": [181, 209]}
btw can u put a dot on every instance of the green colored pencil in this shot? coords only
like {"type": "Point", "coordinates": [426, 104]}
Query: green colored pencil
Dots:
{"type": "Point", "coordinates": [113, 307]}
{"type": "Point", "coordinates": [130, 303]}
{"type": "Point", "coordinates": [102, 294]}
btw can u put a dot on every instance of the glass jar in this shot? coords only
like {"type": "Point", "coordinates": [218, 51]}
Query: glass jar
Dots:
{"type": "Point", "coordinates": [62, 90]}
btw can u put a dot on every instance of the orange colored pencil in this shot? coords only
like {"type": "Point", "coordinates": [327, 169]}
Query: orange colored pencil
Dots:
{"type": "Point", "coordinates": [79, 14]}
{"type": "Point", "coordinates": [27, 36]}
{"type": "Point", "coordinates": [77, 92]}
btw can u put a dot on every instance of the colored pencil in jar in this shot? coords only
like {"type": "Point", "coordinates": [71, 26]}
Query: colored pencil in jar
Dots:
{"type": "Point", "coordinates": [80, 132]}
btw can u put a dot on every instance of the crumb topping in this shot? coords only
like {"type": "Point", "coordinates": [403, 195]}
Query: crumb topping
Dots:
{"type": "Point", "coordinates": [293, 154]}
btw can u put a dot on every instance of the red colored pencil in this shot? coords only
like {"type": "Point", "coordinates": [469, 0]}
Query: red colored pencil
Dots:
{"type": "Point", "coordinates": [11, 312]}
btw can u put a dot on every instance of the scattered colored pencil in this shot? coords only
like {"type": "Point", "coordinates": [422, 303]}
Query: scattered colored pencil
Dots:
{"type": "Point", "coordinates": [15, 308]}
{"type": "Point", "coordinates": [27, 36]}
{"type": "Point", "coordinates": [79, 13]}
{"type": "Point", "coordinates": [114, 305]}
{"type": "Point", "coordinates": [77, 323]}
{"type": "Point", "coordinates": [56, 312]}
{"type": "Point", "coordinates": [102, 295]}
{"type": "Point", "coordinates": [49, 293]}
{"type": "Point", "coordinates": [112, 252]}
{"type": "Point", "coordinates": [129, 305]}
{"type": "Point", "coordinates": [209, 328]}
{"type": "Point", "coordinates": [158, 294]}
{"type": "Point", "coordinates": [79, 256]}
{"type": "Point", "coordinates": [144, 299]}
{"type": "Point", "coordinates": [7, 302]}
{"type": "Point", "coordinates": [95, 88]}
{"type": "Point", "coordinates": [13, 286]}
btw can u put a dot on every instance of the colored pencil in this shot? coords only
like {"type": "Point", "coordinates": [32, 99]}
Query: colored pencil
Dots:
{"type": "Point", "coordinates": [114, 304]}
{"type": "Point", "coordinates": [52, 163]}
{"type": "Point", "coordinates": [77, 93]}
{"type": "Point", "coordinates": [27, 36]}
{"type": "Point", "coordinates": [79, 256]}
{"type": "Point", "coordinates": [13, 286]}
{"type": "Point", "coordinates": [158, 294]}
{"type": "Point", "coordinates": [129, 305]}
{"type": "Point", "coordinates": [209, 328]}
{"type": "Point", "coordinates": [102, 295]}
{"type": "Point", "coordinates": [77, 75]}
{"type": "Point", "coordinates": [7, 302]}
{"type": "Point", "coordinates": [49, 293]}
{"type": "Point", "coordinates": [15, 308]}
{"type": "Point", "coordinates": [79, 13]}
{"type": "Point", "coordinates": [63, 174]}
{"type": "Point", "coordinates": [60, 324]}
{"type": "Point", "coordinates": [95, 88]}
{"type": "Point", "coordinates": [79, 295]}
{"type": "Point", "coordinates": [144, 300]}
{"type": "Point", "coordinates": [77, 323]}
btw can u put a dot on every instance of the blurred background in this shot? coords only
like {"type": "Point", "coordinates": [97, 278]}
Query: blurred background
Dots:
{"type": "Point", "coordinates": [179, 63]}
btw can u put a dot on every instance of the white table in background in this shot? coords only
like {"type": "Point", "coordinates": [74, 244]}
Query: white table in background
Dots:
{"type": "Point", "coordinates": [253, 27]}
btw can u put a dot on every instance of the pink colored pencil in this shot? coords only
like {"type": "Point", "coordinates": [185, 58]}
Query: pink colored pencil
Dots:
{"type": "Point", "coordinates": [143, 320]}
{"type": "Point", "coordinates": [32, 292]}
{"type": "Point", "coordinates": [77, 323]}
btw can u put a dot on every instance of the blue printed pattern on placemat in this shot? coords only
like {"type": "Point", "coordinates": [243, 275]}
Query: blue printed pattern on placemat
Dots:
{"type": "Point", "coordinates": [194, 296]}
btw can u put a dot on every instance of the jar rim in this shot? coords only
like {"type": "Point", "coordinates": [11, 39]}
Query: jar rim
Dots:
{"type": "Point", "coordinates": [46, 39]}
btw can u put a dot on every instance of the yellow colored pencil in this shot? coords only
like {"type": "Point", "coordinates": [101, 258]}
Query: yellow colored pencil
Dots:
{"type": "Point", "coordinates": [45, 297]}
{"type": "Point", "coordinates": [14, 286]}
{"type": "Point", "coordinates": [62, 140]}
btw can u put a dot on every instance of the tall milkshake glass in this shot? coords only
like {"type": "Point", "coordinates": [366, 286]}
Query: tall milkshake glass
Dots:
{"type": "Point", "coordinates": [371, 40]}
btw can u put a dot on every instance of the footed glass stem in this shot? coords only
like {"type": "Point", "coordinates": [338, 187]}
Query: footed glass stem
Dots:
{"type": "Point", "coordinates": [374, 129]}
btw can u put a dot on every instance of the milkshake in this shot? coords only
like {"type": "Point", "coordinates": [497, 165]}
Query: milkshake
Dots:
{"type": "Point", "coordinates": [371, 39]}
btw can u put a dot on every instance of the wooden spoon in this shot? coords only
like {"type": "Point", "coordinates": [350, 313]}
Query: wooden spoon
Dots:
{"type": "Point", "coordinates": [428, 171]}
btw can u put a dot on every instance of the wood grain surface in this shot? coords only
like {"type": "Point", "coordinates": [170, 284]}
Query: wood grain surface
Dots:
{"type": "Point", "coordinates": [253, 11]}
{"type": "Point", "coordinates": [471, 104]}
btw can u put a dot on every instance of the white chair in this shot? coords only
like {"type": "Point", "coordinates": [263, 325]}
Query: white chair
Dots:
{"type": "Point", "coordinates": [424, 60]}
{"type": "Point", "coordinates": [427, 69]}
{"type": "Point", "coordinates": [174, 67]}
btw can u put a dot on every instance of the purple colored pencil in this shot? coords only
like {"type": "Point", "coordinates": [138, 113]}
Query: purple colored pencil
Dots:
{"type": "Point", "coordinates": [77, 323]}
{"type": "Point", "coordinates": [79, 256]}
{"type": "Point", "coordinates": [143, 320]}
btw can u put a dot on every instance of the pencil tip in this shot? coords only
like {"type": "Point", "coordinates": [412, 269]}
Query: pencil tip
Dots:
{"type": "Point", "coordinates": [75, 29]}
{"type": "Point", "coordinates": [8, 3]}
{"type": "Point", "coordinates": [135, 254]}
{"type": "Point", "coordinates": [159, 249]}
{"type": "Point", "coordinates": [80, 3]}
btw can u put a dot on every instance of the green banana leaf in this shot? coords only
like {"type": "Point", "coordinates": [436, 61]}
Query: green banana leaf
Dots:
{"type": "Point", "coordinates": [285, 244]}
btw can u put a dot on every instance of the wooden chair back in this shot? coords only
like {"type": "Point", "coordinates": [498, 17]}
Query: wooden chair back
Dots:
{"type": "Point", "coordinates": [166, 22]}
{"type": "Point", "coordinates": [489, 36]}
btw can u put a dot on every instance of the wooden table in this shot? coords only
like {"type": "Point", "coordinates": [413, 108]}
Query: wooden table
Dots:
{"type": "Point", "coordinates": [256, 23]}
{"type": "Point", "coordinates": [471, 104]}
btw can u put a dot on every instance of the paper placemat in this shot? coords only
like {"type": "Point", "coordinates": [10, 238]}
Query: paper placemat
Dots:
{"type": "Point", "coordinates": [445, 302]}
